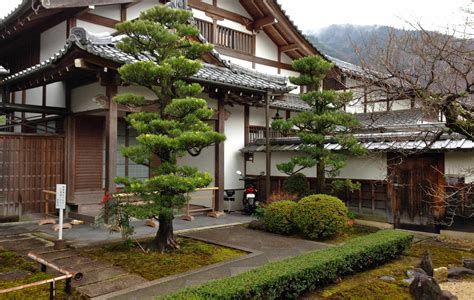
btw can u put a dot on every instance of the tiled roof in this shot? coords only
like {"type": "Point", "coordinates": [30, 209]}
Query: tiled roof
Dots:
{"type": "Point", "coordinates": [104, 47]}
{"type": "Point", "coordinates": [23, 5]}
{"type": "Point", "coordinates": [3, 71]}
{"type": "Point", "coordinates": [393, 118]}
{"type": "Point", "coordinates": [416, 140]}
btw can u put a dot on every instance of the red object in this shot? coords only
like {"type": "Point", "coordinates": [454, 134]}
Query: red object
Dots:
{"type": "Point", "coordinates": [249, 189]}
{"type": "Point", "coordinates": [106, 198]}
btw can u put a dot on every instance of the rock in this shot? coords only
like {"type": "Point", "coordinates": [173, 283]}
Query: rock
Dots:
{"type": "Point", "coordinates": [15, 275]}
{"type": "Point", "coordinates": [387, 278]}
{"type": "Point", "coordinates": [456, 272]}
{"type": "Point", "coordinates": [447, 295]}
{"type": "Point", "coordinates": [441, 274]}
{"type": "Point", "coordinates": [425, 287]}
{"type": "Point", "coordinates": [468, 263]}
{"type": "Point", "coordinates": [413, 272]}
{"type": "Point", "coordinates": [65, 226]}
{"type": "Point", "coordinates": [152, 223]}
{"type": "Point", "coordinates": [409, 280]}
{"type": "Point", "coordinates": [426, 263]}
{"type": "Point", "coordinates": [258, 225]}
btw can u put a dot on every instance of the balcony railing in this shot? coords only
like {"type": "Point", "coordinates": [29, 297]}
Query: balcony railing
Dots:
{"type": "Point", "coordinates": [227, 37]}
{"type": "Point", "coordinates": [259, 132]}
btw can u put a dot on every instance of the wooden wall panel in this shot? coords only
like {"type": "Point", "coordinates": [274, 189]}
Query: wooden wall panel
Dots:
{"type": "Point", "coordinates": [89, 151]}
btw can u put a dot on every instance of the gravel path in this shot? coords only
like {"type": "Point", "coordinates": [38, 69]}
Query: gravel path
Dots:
{"type": "Point", "coordinates": [464, 290]}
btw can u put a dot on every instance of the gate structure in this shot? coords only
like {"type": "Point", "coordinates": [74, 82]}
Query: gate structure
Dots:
{"type": "Point", "coordinates": [29, 164]}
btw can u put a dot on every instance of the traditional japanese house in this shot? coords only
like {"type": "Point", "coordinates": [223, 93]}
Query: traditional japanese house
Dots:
{"type": "Point", "coordinates": [59, 73]}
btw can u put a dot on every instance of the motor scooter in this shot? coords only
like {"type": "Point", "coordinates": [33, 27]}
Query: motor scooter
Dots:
{"type": "Point", "coordinates": [250, 200]}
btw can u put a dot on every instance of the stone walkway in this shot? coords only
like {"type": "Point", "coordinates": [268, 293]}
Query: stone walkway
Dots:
{"type": "Point", "coordinates": [263, 247]}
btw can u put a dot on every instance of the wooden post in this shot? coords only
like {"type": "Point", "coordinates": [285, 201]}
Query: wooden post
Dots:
{"type": "Point", "coordinates": [268, 159]}
{"type": "Point", "coordinates": [111, 143]}
{"type": "Point", "coordinates": [219, 157]}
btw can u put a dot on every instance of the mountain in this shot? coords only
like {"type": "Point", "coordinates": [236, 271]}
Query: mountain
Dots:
{"type": "Point", "coordinates": [340, 41]}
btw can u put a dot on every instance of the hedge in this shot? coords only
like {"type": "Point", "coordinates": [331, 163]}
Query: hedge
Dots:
{"type": "Point", "coordinates": [290, 277]}
{"type": "Point", "coordinates": [278, 216]}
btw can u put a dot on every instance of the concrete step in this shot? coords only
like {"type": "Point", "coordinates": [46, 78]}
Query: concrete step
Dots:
{"type": "Point", "coordinates": [91, 219]}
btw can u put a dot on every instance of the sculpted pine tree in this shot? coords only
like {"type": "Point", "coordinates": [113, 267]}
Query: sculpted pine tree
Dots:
{"type": "Point", "coordinates": [324, 119]}
{"type": "Point", "coordinates": [166, 38]}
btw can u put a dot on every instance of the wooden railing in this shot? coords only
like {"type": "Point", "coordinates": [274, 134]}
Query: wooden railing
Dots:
{"type": "Point", "coordinates": [227, 37]}
{"type": "Point", "coordinates": [259, 132]}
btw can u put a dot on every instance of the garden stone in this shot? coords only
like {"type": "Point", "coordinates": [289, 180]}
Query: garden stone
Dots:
{"type": "Point", "coordinates": [387, 278]}
{"type": "Point", "coordinates": [416, 271]}
{"type": "Point", "coordinates": [468, 262]}
{"type": "Point", "coordinates": [456, 272]}
{"type": "Point", "coordinates": [441, 274]}
{"type": "Point", "coordinates": [258, 225]}
{"type": "Point", "coordinates": [447, 295]}
{"type": "Point", "coordinates": [426, 263]}
{"type": "Point", "coordinates": [15, 275]}
{"type": "Point", "coordinates": [425, 287]}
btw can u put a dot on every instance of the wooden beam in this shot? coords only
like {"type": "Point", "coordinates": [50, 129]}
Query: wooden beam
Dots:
{"type": "Point", "coordinates": [219, 12]}
{"type": "Point", "coordinates": [268, 158]}
{"type": "Point", "coordinates": [111, 139]}
{"type": "Point", "coordinates": [253, 59]}
{"type": "Point", "coordinates": [27, 108]}
{"type": "Point", "coordinates": [289, 47]}
{"type": "Point", "coordinates": [98, 20]}
{"type": "Point", "coordinates": [219, 155]}
{"type": "Point", "coordinates": [258, 24]}
{"type": "Point", "coordinates": [81, 3]}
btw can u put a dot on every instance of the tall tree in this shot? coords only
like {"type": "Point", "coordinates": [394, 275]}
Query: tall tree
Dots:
{"type": "Point", "coordinates": [325, 119]}
{"type": "Point", "coordinates": [166, 47]}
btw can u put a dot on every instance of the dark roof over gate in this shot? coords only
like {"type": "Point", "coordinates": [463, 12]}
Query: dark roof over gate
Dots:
{"type": "Point", "coordinates": [103, 46]}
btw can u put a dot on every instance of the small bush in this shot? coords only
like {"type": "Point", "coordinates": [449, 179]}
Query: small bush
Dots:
{"type": "Point", "coordinates": [278, 216]}
{"type": "Point", "coordinates": [320, 216]}
{"type": "Point", "coordinates": [291, 277]}
{"type": "Point", "coordinates": [296, 184]}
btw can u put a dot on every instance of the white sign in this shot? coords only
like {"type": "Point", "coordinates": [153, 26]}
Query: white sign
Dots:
{"type": "Point", "coordinates": [60, 196]}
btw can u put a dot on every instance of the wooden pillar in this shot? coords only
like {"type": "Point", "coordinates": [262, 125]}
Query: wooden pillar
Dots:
{"type": "Point", "coordinates": [111, 140]}
{"type": "Point", "coordinates": [268, 158]}
{"type": "Point", "coordinates": [219, 157]}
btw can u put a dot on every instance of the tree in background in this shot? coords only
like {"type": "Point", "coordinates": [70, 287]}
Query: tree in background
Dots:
{"type": "Point", "coordinates": [324, 119]}
{"type": "Point", "coordinates": [169, 42]}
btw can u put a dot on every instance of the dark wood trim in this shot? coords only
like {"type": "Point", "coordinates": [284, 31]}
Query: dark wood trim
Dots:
{"type": "Point", "coordinates": [279, 61]}
{"type": "Point", "coordinates": [254, 49]}
{"type": "Point", "coordinates": [71, 23]}
{"type": "Point", "coordinates": [268, 154]}
{"type": "Point", "coordinates": [219, 155]}
{"type": "Point", "coordinates": [259, 23]}
{"type": "Point", "coordinates": [254, 59]}
{"type": "Point", "coordinates": [127, 143]}
{"type": "Point", "coordinates": [38, 109]}
{"type": "Point", "coordinates": [219, 12]}
{"type": "Point", "coordinates": [246, 124]}
{"type": "Point", "coordinates": [111, 139]}
{"type": "Point", "coordinates": [123, 13]}
{"type": "Point", "coordinates": [287, 114]}
{"type": "Point", "coordinates": [289, 47]}
{"type": "Point", "coordinates": [98, 20]}
{"type": "Point", "coordinates": [43, 100]}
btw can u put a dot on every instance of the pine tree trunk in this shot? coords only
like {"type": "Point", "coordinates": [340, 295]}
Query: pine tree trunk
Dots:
{"type": "Point", "coordinates": [164, 239]}
{"type": "Point", "coordinates": [320, 177]}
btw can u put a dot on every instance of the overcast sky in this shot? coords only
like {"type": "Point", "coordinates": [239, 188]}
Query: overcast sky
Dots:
{"type": "Point", "coordinates": [312, 15]}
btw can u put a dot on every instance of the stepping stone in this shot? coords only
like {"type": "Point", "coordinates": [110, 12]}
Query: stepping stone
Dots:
{"type": "Point", "coordinates": [15, 275]}
{"type": "Point", "coordinates": [98, 276]}
{"type": "Point", "coordinates": [91, 265]}
{"type": "Point", "coordinates": [109, 286]}
{"type": "Point", "coordinates": [70, 262]}
{"type": "Point", "coordinates": [54, 255]}
{"type": "Point", "coordinates": [24, 246]}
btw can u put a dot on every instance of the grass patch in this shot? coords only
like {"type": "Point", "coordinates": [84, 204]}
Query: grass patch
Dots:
{"type": "Point", "coordinates": [350, 233]}
{"type": "Point", "coordinates": [154, 265]}
{"type": "Point", "coordinates": [11, 262]}
{"type": "Point", "coordinates": [368, 285]}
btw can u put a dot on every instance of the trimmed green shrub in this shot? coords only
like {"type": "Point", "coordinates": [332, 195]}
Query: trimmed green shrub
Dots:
{"type": "Point", "coordinates": [296, 184]}
{"type": "Point", "coordinates": [289, 278]}
{"type": "Point", "coordinates": [320, 216]}
{"type": "Point", "coordinates": [278, 216]}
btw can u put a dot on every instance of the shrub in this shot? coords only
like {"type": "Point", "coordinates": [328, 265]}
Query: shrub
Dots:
{"type": "Point", "coordinates": [278, 216]}
{"type": "Point", "coordinates": [320, 216]}
{"type": "Point", "coordinates": [289, 278]}
{"type": "Point", "coordinates": [280, 196]}
{"type": "Point", "coordinates": [296, 184]}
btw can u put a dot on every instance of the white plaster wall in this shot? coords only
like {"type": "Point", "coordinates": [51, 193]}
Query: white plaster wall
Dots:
{"type": "Point", "coordinates": [240, 62]}
{"type": "Point", "coordinates": [134, 11]}
{"type": "Point", "coordinates": [400, 104]}
{"type": "Point", "coordinates": [52, 40]}
{"type": "Point", "coordinates": [34, 97]}
{"type": "Point", "coordinates": [266, 69]}
{"type": "Point", "coordinates": [233, 6]}
{"type": "Point", "coordinates": [257, 115]}
{"type": "Point", "coordinates": [233, 25]}
{"type": "Point", "coordinates": [373, 167]}
{"type": "Point", "coordinates": [56, 94]}
{"type": "Point", "coordinates": [81, 97]}
{"type": "Point", "coordinates": [94, 28]}
{"type": "Point", "coordinates": [265, 47]}
{"type": "Point", "coordinates": [460, 163]}
{"type": "Point", "coordinates": [199, 14]}
{"type": "Point", "coordinates": [108, 11]}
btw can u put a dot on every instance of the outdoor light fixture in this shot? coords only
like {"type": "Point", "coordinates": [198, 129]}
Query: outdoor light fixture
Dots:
{"type": "Point", "coordinates": [277, 115]}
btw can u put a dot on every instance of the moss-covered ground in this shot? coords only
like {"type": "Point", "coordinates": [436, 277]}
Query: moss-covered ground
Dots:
{"type": "Point", "coordinates": [154, 265]}
{"type": "Point", "coordinates": [11, 262]}
{"type": "Point", "coordinates": [368, 285]}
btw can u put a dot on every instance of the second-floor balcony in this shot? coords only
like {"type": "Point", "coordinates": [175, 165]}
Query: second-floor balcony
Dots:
{"type": "Point", "coordinates": [259, 132]}
{"type": "Point", "coordinates": [226, 37]}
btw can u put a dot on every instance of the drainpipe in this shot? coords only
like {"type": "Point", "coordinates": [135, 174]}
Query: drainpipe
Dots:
{"type": "Point", "coordinates": [267, 145]}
